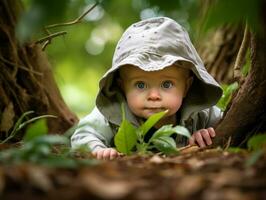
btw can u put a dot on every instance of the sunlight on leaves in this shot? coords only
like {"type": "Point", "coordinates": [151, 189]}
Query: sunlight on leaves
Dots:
{"type": "Point", "coordinates": [37, 129]}
{"type": "Point", "coordinates": [227, 93]}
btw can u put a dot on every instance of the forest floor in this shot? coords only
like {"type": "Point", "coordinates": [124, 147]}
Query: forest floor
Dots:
{"type": "Point", "coordinates": [210, 174]}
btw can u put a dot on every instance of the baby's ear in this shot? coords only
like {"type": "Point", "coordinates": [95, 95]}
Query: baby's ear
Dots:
{"type": "Point", "coordinates": [189, 82]}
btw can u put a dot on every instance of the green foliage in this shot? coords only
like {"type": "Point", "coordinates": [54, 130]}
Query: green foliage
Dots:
{"type": "Point", "coordinates": [69, 55]}
{"type": "Point", "coordinates": [40, 148]}
{"type": "Point", "coordinates": [254, 157]}
{"type": "Point", "coordinates": [235, 150]}
{"type": "Point", "coordinates": [39, 14]}
{"type": "Point", "coordinates": [126, 137]}
{"type": "Point", "coordinates": [20, 124]}
{"type": "Point", "coordinates": [129, 136]}
{"type": "Point", "coordinates": [257, 144]}
{"type": "Point", "coordinates": [36, 130]}
{"type": "Point", "coordinates": [237, 11]}
{"type": "Point", "coordinates": [227, 93]}
{"type": "Point", "coordinates": [246, 67]}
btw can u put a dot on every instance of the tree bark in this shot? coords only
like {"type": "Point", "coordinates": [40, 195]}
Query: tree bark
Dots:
{"type": "Point", "coordinates": [218, 51]}
{"type": "Point", "coordinates": [26, 79]}
{"type": "Point", "coordinates": [247, 113]}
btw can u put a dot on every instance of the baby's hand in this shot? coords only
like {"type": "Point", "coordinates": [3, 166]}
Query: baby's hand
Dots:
{"type": "Point", "coordinates": [202, 137]}
{"type": "Point", "coordinates": [106, 154]}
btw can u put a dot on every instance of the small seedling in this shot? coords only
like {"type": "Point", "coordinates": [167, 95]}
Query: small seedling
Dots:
{"type": "Point", "coordinates": [129, 137]}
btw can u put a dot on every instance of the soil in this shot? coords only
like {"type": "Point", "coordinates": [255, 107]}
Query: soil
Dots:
{"type": "Point", "coordinates": [211, 174]}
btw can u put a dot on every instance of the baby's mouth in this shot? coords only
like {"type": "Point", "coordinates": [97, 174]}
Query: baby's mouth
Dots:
{"type": "Point", "coordinates": [155, 109]}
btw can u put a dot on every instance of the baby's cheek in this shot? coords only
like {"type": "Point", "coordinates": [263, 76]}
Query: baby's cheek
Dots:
{"type": "Point", "coordinates": [134, 101]}
{"type": "Point", "coordinates": [174, 104]}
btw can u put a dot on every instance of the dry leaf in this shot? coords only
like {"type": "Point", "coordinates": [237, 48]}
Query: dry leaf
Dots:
{"type": "Point", "coordinates": [156, 159]}
{"type": "Point", "coordinates": [39, 178]}
{"type": "Point", "coordinates": [192, 184]}
{"type": "Point", "coordinates": [189, 149]}
{"type": "Point", "coordinates": [105, 188]}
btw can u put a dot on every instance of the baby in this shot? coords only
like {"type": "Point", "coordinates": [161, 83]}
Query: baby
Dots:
{"type": "Point", "coordinates": [155, 68]}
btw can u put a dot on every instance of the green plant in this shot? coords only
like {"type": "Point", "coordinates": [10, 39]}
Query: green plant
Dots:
{"type": "Point", "coordinates": [227, 93]}
{"type": "Point", "coordinates": [129, 136]}
{"type": "Point", "coordinates": [40, 148]}
{"type": "Point", "coordinates": [20, 124]}
{"type": "Point", "coordinates": [256, 144]}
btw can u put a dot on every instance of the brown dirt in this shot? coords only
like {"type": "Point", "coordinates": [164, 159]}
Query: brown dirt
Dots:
{"type": "Point", "coordinates": [210, 174]}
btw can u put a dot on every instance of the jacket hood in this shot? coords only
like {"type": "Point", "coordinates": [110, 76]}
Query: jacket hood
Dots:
{"type": "Point", "coordinates": [154, 44]}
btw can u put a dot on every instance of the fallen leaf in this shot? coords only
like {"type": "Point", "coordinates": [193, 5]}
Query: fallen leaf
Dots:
{"type": "Point", "coordinates": [156, 159]}
{"type": "Point", "coordinates": [105, 188]}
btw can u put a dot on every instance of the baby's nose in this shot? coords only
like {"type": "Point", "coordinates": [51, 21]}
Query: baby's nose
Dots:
{"type": "Point", "coordinates": [154, 94]}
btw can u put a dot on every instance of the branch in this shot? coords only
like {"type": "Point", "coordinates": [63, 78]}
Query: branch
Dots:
{"type": "Point", "coordinates": [240, 58]}
{"type": "Point", "coordinates": [78, 20]}
{"type": "Point", "coordinates": [49, 37]}
{"type": "Point", "coordinates": [47, 40]}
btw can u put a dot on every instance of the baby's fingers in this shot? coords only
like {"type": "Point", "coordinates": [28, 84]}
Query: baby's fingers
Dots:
{"type": "Point", "coordinates": [199, 139]}
{"type": "Point", "coordinates": [206, 135]}
{"type": "Point", "coordinates": [99, 154]}
{"type": "Point", "coordinates": [113, 154]}
{"type": "Point", "coordinates": [191, 140]}
{"type": "Point", "coordinates": [211, 132]}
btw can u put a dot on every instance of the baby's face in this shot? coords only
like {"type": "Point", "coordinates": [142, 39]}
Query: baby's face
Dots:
{"type": "Point", "coordinates": [151, 92]}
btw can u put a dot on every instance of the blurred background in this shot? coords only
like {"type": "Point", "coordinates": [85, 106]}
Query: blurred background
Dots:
{"type": "Point", "coordinates": [80, 57]}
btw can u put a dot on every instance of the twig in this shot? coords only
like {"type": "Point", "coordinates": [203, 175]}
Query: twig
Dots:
{"type": "Point", "coordinates": [47, 40]}
{"type": "Point", "coordinates": [241, 54]}
{"type": "Point", "coordinates": [49, 37]}
{"type": "Point", "coordinates": [74, 21]}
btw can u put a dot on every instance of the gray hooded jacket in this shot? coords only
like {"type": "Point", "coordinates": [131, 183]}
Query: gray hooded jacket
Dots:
{"type": "Point", "coordinates": [151, 44]}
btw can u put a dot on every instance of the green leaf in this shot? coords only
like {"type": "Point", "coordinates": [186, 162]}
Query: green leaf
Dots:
{"type": "Point", "coordinates": [255, 156]}
{"type": "Point", "coordinates": [168, 130]}
{"type": "Point", "coordinates": [126, 137]}
{"type": "Point", "coordinates": [34, 119]}
{"type": "Point", "coordinates": [51, 139]}
{"type": "Point", "coordinates": [227, 93]}
{"type": "Point", "coordinates": [37, 129]}
{"type": "Point", "coordinates": [58, 161]}
{"type": "Point", "coordinates": [165, 144]}
{"type": "Point", "coordinates": [257, 142]}
{"type": "Point", "coordinates": [151, 121]}
{"type": "Point", "coordinates": [181, 130]}
{"type": "Point", "coordinates": [16, 126]}
{"type": "Point", "coordinates": [235, 150]}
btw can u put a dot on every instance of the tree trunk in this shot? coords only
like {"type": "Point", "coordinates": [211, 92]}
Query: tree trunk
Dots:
{"type": "Point", "coordinates": [247, 113]}
{"type": "Point", "coordinates": [26, 79]}
{"type": "Point", "coordinates": [218, 51]}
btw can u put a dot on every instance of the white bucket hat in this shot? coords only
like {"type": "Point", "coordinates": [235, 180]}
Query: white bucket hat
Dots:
{"type": "Point", "coordinates": [154, 44]}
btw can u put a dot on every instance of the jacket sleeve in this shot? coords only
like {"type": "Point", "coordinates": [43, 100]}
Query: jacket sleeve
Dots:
{"type": "Point", "coordinates": [208, 117]}
{"type": "Point", "coordinates": [93, 131]}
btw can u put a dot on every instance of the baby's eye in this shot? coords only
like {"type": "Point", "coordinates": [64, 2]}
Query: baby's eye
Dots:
{"type": "Point", "coordinates": [140, 85]}
{"type": "Point", "coordinates": [167, 84]}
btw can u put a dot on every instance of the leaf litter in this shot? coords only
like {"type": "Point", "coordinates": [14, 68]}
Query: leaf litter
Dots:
{"type": "Point", "coordinates": [193, 174]}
